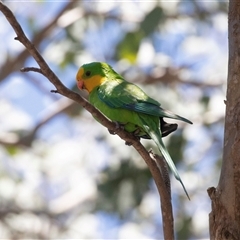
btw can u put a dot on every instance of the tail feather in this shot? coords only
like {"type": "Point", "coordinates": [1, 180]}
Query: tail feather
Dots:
{"type": "Point", "coordinates": [156, 137]}
{"type": "Point", "coordinates": [169, 114]}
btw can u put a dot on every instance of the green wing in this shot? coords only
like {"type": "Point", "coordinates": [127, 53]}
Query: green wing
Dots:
{"type": "Point", "coordinates": [122, 94]}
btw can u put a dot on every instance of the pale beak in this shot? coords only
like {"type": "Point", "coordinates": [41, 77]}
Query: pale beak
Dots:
{"type": "Point", "coordinates": [80, 84]}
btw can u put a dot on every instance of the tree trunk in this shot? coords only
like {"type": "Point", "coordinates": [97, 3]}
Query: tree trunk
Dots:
{"type": "Point", "coordinates": [224, 219]}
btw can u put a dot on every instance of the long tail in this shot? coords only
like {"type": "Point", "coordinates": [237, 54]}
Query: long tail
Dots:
{"type": "Point", "coordinates": [156, 137]}
{"type": "Point", "coordinates": [169, 114]}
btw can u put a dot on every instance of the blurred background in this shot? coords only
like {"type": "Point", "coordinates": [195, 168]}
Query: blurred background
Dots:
{"type": "Point", "coordinates": [62, 175]}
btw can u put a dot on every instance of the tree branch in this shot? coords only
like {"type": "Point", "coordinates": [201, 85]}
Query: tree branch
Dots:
{"type": "Point", "coordinates": [60, 88]}
{"type": "Point", "coordinates": [165, 195]}
{"type": "Point", "coordinates": [13, 64]}
{"type": "Point", "coordinates": [224, 218]}
{"type": "Point", "coordinates": [31, 69]}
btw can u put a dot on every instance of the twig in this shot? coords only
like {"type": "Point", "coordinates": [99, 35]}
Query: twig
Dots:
{"type": "Point", "coordinates": [60, 88]}
{"type": "Point", "coordinates": [37, 83]}
{"type": "Point", "coordinates": [172, 76]}
{"type": "Point", "coordinates": [31, 69]}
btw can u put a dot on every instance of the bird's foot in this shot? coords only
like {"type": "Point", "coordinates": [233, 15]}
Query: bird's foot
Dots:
{"type": "Point", "coordinates": [129, 143]}
{"type": "Point", "coordinates": [117, 126]}
{"type": "Point", "coordinates": [121, 126]}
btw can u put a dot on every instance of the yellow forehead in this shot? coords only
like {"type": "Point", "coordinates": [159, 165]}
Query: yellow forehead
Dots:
{"type": "Point", "coordinates": [80, 73]}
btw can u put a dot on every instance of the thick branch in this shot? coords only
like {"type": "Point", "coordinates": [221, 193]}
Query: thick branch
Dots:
{"type": "Point", "coordinates": [60, 88]}
{"type": "Point", "coordinates": [225, 215]}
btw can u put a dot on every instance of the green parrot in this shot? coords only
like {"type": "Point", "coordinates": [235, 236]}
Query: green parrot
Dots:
{"type": "Point", "coordinates": [125, 103]}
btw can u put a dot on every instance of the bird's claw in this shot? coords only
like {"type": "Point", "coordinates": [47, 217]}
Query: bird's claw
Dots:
{"type": "Point", "coordinates": [111, 132]}
{"type": "Point", "coordinates": [129, 143]}
{"type": "Point", "coordinates": [117, 126]}
{"type": "Point", "coordinates": [121, 126]}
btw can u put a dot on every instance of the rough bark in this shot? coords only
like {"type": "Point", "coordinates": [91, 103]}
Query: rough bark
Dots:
{"type": "Point", "coordinates": [225, 216]}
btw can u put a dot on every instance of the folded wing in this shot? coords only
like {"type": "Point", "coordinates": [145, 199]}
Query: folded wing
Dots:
{"type": "Point", "coordinates": [122, 94]}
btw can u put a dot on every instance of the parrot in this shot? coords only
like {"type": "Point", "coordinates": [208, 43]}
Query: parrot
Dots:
{"type": "Point", "coordinates": [128, 105]}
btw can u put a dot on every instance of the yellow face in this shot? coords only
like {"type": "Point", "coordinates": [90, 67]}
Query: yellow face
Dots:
{"type": "Point", "coordinates": [86, 79]}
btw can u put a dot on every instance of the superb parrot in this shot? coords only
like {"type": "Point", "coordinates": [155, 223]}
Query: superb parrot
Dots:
{"type": "Point", "coordinates": [128, 105]}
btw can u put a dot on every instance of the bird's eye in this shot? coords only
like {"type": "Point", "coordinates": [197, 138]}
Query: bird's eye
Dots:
{"type": "Point", "coordinates": [88, 73]}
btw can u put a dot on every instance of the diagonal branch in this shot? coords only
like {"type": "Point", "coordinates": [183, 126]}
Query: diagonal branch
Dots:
{"type": "Point", "coordinates": [13, 64]}
{"type": "Point", "coordinates": [61, 89]}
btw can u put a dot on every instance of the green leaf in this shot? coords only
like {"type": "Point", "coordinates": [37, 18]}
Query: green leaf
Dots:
{"type": "Point", "coordinates": [12, 150]}
{"type": "Point", "coordinates": [129, 46]}
{"type": "Point", "coordinates": [152, 20]}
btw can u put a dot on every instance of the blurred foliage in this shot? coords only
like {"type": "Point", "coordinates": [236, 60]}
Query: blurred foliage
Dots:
{"type": "Point", "coordinates": [129, 46]}
{"type": "Point", "coordinates": [152, 20]}
{"type": "Point", "coordinates": [61, 174]}
{"type": "Point", "coordinates": [121, 185]}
